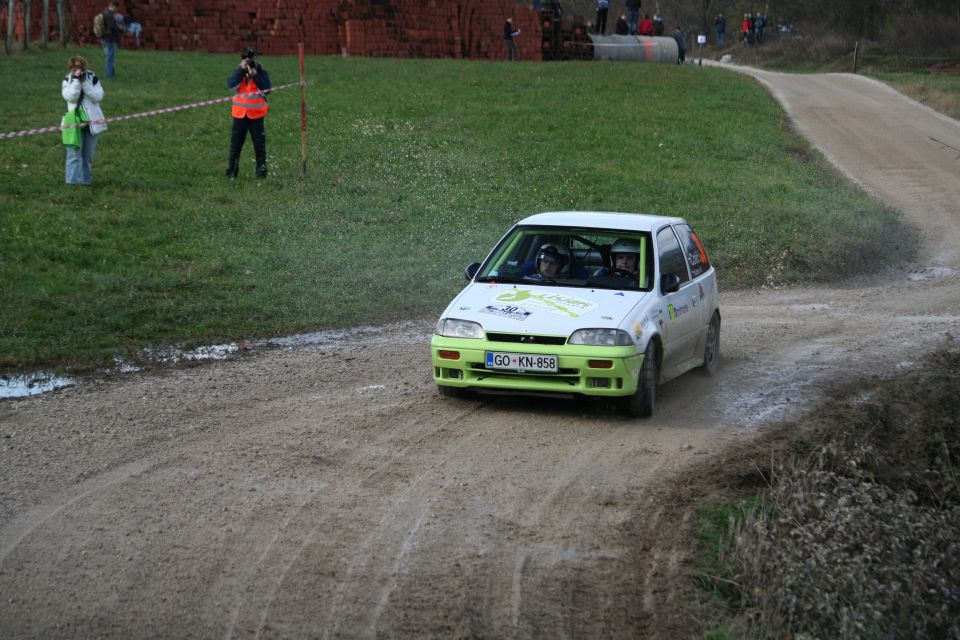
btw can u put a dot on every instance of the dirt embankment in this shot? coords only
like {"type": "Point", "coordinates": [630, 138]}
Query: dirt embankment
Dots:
{"type": "Point", "coordinates": [327, 491]}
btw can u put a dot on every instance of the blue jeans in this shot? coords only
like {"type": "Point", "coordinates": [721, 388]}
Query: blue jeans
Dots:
{"type": "Point", "coordinates": [80, 161]}
{"type": "Point", "coordinates": [109, 53]}
{"type": "Point", "coordinates": [135, 30]}
{"type": "Point", "coordinates": [720, 38]}
{"type": "Point", "coordinates": [633, 19]}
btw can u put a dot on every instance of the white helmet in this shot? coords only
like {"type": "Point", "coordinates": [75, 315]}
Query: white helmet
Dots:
{"type": "Point", "coordinates": [556, 252]}
{"type": "Point", "coordinates": [625, 246]}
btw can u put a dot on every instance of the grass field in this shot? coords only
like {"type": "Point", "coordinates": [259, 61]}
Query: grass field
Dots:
{"type": "Point", "coordinates": [938, 91]}
{"type": "Point", "coordinates": [416, 167]}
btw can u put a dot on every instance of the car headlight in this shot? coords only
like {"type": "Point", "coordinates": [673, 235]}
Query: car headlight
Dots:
{"type": "Point", "coordinates": [601, 337]}
{"type": "Point", "coordinates": [453, 328]}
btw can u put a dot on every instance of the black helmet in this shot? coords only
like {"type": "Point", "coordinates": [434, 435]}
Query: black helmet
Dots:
{"type": "Point", "coordinates": [248, 53]}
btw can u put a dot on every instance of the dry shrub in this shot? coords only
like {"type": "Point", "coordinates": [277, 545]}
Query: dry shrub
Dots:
{"type": "Point", "coordinates": [804, 50]}
{"type": "Point", "coordinates": [863, 537]}
{"type": "Point", "coordinates": [922, 35]}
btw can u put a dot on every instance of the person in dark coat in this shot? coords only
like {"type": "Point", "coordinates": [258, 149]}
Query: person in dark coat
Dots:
{"type": "Point", "coordinates": [509, 33]}
{"type": "Point", "coordinates": [633, 16]}
{"type": "Point", "coordinates": [622, 29]}
{"type": "Point", "coordinates": [681, 44]}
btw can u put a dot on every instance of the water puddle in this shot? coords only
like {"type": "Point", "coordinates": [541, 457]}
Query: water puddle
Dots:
{"type": "Point", "coordinates": [31, 384]}
{"type": "Point", "coordinates": [928, 273]}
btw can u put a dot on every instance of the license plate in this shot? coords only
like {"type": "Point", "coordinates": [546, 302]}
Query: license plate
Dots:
{"type": "Point", "coordinates": [521, 362]}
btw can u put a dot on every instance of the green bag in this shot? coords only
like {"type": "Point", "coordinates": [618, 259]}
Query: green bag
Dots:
{"type": "Point", "coordinates": [69, 129]}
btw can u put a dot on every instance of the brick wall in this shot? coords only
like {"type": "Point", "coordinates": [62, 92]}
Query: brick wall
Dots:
{"type": "Point", "coordinates": [388, 28]}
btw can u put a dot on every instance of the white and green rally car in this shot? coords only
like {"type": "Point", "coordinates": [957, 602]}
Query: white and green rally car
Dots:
{"type": "Point", "coordinates": [583, 303]}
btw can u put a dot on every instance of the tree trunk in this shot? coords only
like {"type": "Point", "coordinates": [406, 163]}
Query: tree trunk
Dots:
{"type": "Point", "coordinates": [26, 24]}
{"type": "Point", "coordinates": [46, 23]}
{"type": "Point", "coordinates": [8, 43]}
{"type": "Point", "coordinates": [62, 21]}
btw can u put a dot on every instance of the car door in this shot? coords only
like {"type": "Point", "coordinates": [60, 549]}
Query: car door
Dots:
{"type": "Point", "coordinates": [680, 309]}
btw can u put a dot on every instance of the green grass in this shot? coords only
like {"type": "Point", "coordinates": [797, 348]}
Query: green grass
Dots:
{"type": "Point", "coordinates": [938, 91]}
{"type": "Point", "coordinates": [416, 167]}
{"type": "Point", "coordinates": [714, 524]}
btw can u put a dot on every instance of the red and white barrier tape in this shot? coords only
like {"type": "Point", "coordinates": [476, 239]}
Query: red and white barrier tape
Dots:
{"type": "Point", "coordinates": [193, 105]}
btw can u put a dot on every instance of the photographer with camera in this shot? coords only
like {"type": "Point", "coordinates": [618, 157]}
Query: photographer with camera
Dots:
{"type": "Point", "coordinates": [251, 82]}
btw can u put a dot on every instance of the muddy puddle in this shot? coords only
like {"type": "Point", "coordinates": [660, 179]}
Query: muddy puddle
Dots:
{"type": "Point", "coordinates": [36, 383]}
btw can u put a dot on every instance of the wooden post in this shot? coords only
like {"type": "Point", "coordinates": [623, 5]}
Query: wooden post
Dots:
{"type": "Point", "coordinates": [303, 115]}
{"type": "Point", "coordinates": [856, 55]}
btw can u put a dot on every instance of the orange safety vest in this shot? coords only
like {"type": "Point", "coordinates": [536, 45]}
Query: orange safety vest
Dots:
{"type": "Point", "coordinates": [247, 102]}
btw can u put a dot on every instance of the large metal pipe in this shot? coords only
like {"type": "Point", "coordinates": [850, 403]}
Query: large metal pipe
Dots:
{"type": "Point", "coordinates": [635, 48]}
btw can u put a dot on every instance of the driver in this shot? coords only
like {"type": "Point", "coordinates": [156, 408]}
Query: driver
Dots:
{"type": "Point", "coordinates": [624, 256]}
{"type": "Point", "coordinates": [553, 260]}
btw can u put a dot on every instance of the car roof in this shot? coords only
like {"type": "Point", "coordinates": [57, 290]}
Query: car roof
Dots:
{"type": "Point", "coordinates": [601, 220]}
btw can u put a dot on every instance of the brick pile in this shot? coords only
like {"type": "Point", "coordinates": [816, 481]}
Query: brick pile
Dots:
{"type": "Point", "coordinates": [385, 28]}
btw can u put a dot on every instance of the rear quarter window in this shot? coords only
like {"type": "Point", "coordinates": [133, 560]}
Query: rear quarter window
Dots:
{"type": "Point", "coordinates": [693, 250]}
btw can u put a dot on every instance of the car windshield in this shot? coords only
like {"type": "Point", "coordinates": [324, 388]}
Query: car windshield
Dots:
{"type": "Point", "coordinates": [572, 257]}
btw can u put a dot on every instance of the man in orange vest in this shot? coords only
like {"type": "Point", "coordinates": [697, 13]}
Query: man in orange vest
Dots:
{"type": "Point", "coordinates": [251, 82]}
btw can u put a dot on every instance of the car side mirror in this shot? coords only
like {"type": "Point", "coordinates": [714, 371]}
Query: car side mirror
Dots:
{"type": "Point", "coordinates": [471, 270]}
{"type": "Point", "coordinates": [669, 282]}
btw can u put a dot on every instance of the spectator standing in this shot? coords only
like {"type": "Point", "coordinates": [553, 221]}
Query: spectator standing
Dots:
{"type": "Point", "coordinates": [646, 26]}
{"type": "Point", "coordinates": [681, 44]}
{"type": "Point", "coordinates": [622, 29]}
{"type": "Point", "coordinates": [133, 27]}
{"type": "Point", "coordinates": [745, 30]}
{"type": "Point", "coordinates": [509, 33]}
{"type": "Point", "coordinates": [720, 27]}
{"type": "Point", "coordinates": [633, 16]}
{"type": "Point", "coordinates": [761, 24]}
{"type": "Point", "coordinates": [602, 7]}
{"type": "Point", "coordinates": [250, 82]}
{"type": "Point", "coordinates": [82, 88]}
{"type": "Point", "coordinates": [109, 38]}
{"type": "Point", "coordinates": [657, 24]}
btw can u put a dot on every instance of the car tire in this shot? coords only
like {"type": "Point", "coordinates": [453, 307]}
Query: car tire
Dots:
{"type": "Point", "coordinates": [711, 350]}
{"type": "Point", "coordinates": [640, 404]}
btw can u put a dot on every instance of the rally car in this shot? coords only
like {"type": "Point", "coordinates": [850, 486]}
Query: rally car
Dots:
{"type": "Point", "coordinates": [583, 304]}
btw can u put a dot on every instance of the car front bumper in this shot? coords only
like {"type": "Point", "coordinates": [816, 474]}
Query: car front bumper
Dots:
{"type": "Point", "coordinates": [587, 370]}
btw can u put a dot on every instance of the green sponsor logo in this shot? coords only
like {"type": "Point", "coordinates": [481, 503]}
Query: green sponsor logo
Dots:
{"type": "Point", "coordinates": [552, 302]}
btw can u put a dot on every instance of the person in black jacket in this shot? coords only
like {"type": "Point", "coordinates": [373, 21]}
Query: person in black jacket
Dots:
{"type": "Point", "coordinates": [622, 29]}
{"type": "Point", "coordinates": [110, 38]}
{"type": "Point", "coordinates": [681, 44]}
{"type": "Point", "coordinates": [509, 33]}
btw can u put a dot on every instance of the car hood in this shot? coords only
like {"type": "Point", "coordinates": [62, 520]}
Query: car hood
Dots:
{"type": "Point", "coordinates": [542, 309]}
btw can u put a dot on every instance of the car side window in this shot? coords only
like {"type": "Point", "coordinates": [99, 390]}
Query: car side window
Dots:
{"type": "Point", "coordinates": [693, 249]}
{"type": "Point", "coordinates": [670, 255]}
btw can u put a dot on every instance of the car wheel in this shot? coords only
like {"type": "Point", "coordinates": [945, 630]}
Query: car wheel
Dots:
{"type": "Point", "coordinates": [711, 351]}
{"type": "Point", "coordinates": [640, 404]}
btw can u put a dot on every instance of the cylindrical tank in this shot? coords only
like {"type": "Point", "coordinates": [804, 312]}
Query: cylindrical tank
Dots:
{"type": "Point", "coordinates": [635, 48]}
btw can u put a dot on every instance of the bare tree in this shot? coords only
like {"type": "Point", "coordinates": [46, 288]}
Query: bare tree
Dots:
{"type": "Point", "coordinates": [26, 24]}
{"type": "Point", "coordinates": [62, 21]}
{"type": "Point", "coordinates": [46, 23]}
{"type": "Point", "coordinates": [8, 43]}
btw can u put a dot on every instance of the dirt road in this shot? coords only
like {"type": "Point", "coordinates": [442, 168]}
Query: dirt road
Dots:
{"type": "Point", "coordinates": [327, 491]}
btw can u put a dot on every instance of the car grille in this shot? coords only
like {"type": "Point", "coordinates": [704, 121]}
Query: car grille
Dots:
{"type": "Point", "coordinates": [524, 338]}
